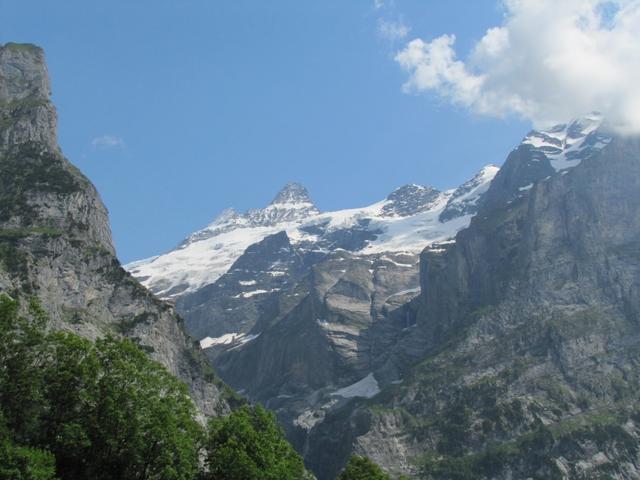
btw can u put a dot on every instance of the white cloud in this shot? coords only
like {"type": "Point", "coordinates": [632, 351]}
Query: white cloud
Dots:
{"type": "Point", "coordinates": [392, 31]}
{"type": "Point", "coordinates": [550, 60]}
{"type": "Point", "coordinates": [107, 141]}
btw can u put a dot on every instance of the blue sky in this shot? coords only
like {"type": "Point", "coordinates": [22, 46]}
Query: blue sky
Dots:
{"type": "Point", "coordinates": [179, 109]}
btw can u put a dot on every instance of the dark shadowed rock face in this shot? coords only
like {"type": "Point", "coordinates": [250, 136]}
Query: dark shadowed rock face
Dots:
{"type": "Point", "coordinates": [328, 329]}
{"type": "Point", "coordinates": [530, 324]}
{"type": "Point", "coordinates": [55, 239]}
{"type": "Point", "coordinates": [245, 294]}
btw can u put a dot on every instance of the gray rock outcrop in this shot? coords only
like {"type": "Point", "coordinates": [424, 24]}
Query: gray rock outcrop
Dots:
{"type": "Point", "coordinates": [55, 239]}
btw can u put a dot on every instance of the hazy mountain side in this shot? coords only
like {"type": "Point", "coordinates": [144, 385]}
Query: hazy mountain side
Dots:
{"type": "Point", "coordinates": [530, 321]}
{"type": "Point", "coordinates": [55, 239]}
{"type": "Point", "coordinates": [324, 332]}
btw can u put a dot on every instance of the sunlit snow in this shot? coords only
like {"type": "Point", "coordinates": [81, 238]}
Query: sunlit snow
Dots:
{"type": "Point", "coordinates": [209, 253]}
{"type": "Point", "coordinates": [227, 339]}
{"type": "Point", "coordinates": [367, 387]}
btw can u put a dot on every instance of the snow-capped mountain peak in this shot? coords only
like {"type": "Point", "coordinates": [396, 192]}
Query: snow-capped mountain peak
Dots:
{"type": "Point", "coordinates": [291, 204]}
{"type": "Point", "coordinates": [408, 220]}
{"type": "Point", "coordinates": [292, 194]}
{"type": "Point", "coordinates": [226, 216]}
{"type": "Point", "coordinates": [409, 200]}
{"type": "Point", "coordinates": [566, 145]}
{"type": "Point", "coordinates": [464, 199]}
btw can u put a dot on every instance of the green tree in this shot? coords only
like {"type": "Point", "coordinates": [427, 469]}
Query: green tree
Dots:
{"type": "Point", "coordinates": [248, 444]}
{"type": "Point", "coordinates": [22, 463]}
{"type": "Point", "coordinates": [361, 468]}
{"type": "Point", "coordinates": [103, 411]}
{"type": "Point", "coordinates": [21, 378]}
{"type": "Point", "coordinates": [72, 372]}
{"type": "Point", "coordinates": [117, 414]}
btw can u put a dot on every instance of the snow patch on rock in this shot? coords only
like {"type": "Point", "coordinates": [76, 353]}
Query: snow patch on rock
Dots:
{"type": "Point", "coordinates": [366, 388]}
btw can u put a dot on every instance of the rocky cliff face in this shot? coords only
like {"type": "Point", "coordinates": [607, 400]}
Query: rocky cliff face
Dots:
{"type": "Point", "coordinates": [510, 350]}
{"type": "Point", "coordinates": [26, 114]}
{"type": "Point", "coordinates": [529, 329]}
{"type": "Point", "coordinates": [55, 240]}
{"type": "Point", "coordinates": [297, 308]}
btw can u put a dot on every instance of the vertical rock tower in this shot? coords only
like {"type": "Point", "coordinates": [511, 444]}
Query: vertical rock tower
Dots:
{"type": "Point", "coordinates": [55, 239]}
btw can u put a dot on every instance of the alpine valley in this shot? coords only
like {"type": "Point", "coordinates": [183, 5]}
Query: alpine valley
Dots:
{"type": "Point", "coordinates": [487, 331]}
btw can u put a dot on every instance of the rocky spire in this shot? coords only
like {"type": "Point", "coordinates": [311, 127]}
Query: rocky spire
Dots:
{"type": "Point", "coordinates": [292, 193]}
{"type": "Point", "coordinates": [60, 243]}
{"type": "Point", "coordinates": [26, 111]}
{"type": "Point", "coordinates": [38, 179]}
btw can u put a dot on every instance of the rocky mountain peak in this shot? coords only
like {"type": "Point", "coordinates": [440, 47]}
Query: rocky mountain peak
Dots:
{"type": "Point", "coordinates": [26, 112]}
{"type": "Point", "coordinates": [566, 145]}
{"type": "Point", "coordinates": [291, 204]}
{"type": "Point", "coordinates": [409, 200]}
{"type": "Point", "coordinates": [292, 194]}
{"type": "Point", "coordinates": [466, 198]}
{"type": "Point", "coordinates": [37, 178]}
{"type": "Point", "coordinates": [226, 216]}
{"type": "Point", "coordinates": [24, 73]}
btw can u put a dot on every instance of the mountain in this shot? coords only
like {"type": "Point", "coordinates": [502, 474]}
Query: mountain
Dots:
{"type": "Point", "coordinates": [55, 239]}
{"type": "Point", "coordinates": [507, 348]}
{"type": "Point", "coordinates": [490, 331]}
{"type": "Point", "coordinates": [252, 285]}
{"type": "Point", "coordinates": [405, 221]}
{"type": "Point", "coordinates": [528, 325]}
{"type": "Point", "coordinates": [229, 279]}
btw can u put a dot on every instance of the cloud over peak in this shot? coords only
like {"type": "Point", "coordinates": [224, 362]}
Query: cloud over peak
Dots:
{"type": "Point", "coordinates": [550, 61]}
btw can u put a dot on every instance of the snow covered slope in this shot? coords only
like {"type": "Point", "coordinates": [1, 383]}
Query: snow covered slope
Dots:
{"type": "Point", "coordinates": [568, 144]}
{"type": "Point", "coordinates": [409, 219]}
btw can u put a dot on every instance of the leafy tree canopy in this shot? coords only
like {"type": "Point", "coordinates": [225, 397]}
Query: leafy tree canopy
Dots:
{"type": "Point", "coordinates": [102, 411]}
{"type": "Point", "coordinates": [249, 444]}
{"type": "Point", "coordinates": [72, 409]}
{"type": "Point", "coordinates": [361, 468]}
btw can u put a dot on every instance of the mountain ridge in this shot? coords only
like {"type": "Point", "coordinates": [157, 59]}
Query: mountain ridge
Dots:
{"type": "Point", "coordinates": [360, 301]}
{"type": "Point", "coordinates": [526, 324]}
{"type": "Point", "coordinates": [403, 203]}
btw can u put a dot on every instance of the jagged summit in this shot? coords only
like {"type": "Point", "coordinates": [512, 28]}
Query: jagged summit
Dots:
{"type": "Point", "coordinates": [406, 221]}
{"type": "Point", "coordinates": [292, 193]}
{"type": "Point", "coordinates": [409, 200]}
{"type": "Point", "coordinates": [292, 205]}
